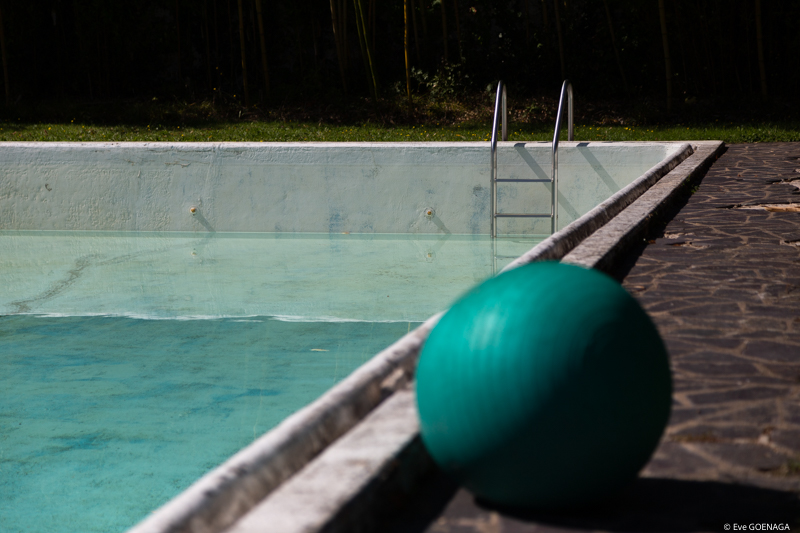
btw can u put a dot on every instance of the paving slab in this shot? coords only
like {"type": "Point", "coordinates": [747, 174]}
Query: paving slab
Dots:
{"type": "Point", "coordinates": [722, 284]}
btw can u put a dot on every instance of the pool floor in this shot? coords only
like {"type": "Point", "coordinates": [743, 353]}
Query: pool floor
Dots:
{"type": "Point", "coordinates": [131, 365]}
{"type": "Point", "coordinates": [103, 419]}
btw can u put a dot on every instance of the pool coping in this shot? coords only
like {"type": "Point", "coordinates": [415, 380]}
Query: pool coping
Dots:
{"type": "Point", "coordinates": [257, 474]}
{"type": "Point", "coordinates": [604, 248]}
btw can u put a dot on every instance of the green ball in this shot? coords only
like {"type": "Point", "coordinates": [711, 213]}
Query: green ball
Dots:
{"type": "Point", "coordinates": [546, 387]}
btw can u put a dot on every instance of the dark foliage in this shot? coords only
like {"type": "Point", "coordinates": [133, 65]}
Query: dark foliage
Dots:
{"type": "Point", "coordinates": [189, 49]}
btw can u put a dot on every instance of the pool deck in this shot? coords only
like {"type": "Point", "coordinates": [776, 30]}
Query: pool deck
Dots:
{"type": "Point", "coordinates": [722, 283]}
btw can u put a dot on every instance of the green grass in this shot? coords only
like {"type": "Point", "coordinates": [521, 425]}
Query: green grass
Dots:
{"type": "Point", "coordinates": [278, 131]}
{"type": "Point", "coordinates": [466, 118]}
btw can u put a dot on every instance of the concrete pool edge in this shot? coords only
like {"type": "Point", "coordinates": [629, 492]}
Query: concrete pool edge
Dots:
{"type": "Point", "coordinates": [228, 492]}
{"type": "Point", "coordinates": [356, 502]}
{"type": "Point", "coordinates": [602, 249]}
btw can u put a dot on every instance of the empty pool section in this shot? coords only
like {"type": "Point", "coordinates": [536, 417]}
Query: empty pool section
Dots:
{"type": "Point", "coordinates": [184, 327]}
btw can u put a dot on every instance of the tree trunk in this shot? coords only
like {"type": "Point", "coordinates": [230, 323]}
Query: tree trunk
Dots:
{"type": "Point", "coordinates": [337, 39]}
{"type": "Point", "coordinates": [405, 48]}
{"type": "Point", "coordinates": [667, 63]}
{"type": "Point", "coordinates": [5, 59]}
{"type": "Point", "coordinates": [244, 55]}
{"type": "Point", "coordinates": [444, 29]}
{"type": "Point", "coordinates": [560, 41]}
{"type": "Point", "coordinates": [263, 48]}
{"type": "Point", "coordinates": [760, 44]}
{"type": "Point", "coordinates": [614, 45]}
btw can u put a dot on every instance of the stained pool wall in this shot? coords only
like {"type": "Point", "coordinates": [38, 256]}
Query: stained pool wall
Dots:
{"type": "Point", "coordinates": [305, 187]}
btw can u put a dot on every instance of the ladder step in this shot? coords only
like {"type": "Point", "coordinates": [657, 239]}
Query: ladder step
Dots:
{"type": "Point", "coordinates": [524, 215]}
{"type": "Point", "coordinates": [524, 181]}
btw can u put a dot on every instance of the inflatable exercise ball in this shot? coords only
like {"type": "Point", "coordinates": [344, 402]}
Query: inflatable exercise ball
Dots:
{"type": "Point", "coordinates": [546, 387]}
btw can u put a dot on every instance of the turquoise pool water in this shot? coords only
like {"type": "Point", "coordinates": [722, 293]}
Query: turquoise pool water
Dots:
{"type": "Point", "coordinates": [130, 365]}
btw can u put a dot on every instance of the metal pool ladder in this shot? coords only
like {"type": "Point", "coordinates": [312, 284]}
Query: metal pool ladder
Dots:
{"type": "Point", "coordinates": [500, 100]}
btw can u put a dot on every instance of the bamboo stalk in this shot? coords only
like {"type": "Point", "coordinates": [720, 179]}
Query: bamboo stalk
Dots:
{"type": "Point", "coordinates": [5, 59]}
{"type": "Point", "coordinates": [106, 61]}
{"type": "Point", "coordinates": [337, 39]}
{"type": "Point", "coordinates": [416, 35]}
{"type": "Point", "coordinates": [207, 38]}
{"type": "Point", "coordinates": [560, 41]}
{"type": "Point", "coordinates": [444, 29]}
{"type": "Point", "coordinates": [178, 24]}
{"type": "Point", "coordinates": [362, 29]}
{"type": "Point", "coordinates": [614, 45]}
{"type": "Point", "coordinates": [405, 48]}
{"type": "Point", "coordinates": [361, 42]}
{"type": "Point", "coordinates": [343, 18]}
{"type": "Point", "coordinates": [99, 66]}
{"type": "Point", "coordinates": [527, 21]}
{"type": "Point", "coordinates": [372, 10]}
{"type": "Point", "coordinates": [314, 36]}
{"type": "Point", "coordinates": [458, 31]}
{"type": "Point", "coordinates": [263, 48]}
{"type": "Point", "coordinates": [544, 15]}
{"type": "Point", "coordinates": [216, 33]}
{"type": "Point", "coordinates": [244, 55]}
{"type": "Point", "coordinates": [667, 62]}
{"type": "Point", "coordinates": [760, 44]}
{"type": "Point", "coordinates": [370, 49]}
{"type": "Point", "coordinates": [679, 24]}
{"type": "Point", "coordinates": [231, 48]}
{"type": "Point", "coordinates": [424, 20]}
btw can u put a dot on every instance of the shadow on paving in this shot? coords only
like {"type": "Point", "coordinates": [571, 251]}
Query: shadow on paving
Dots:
{"type": "Point", "coordinates": [648, 504]}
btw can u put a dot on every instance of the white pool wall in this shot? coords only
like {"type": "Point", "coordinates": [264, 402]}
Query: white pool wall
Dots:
{"type": "Point", "coordinates": [305, 187]}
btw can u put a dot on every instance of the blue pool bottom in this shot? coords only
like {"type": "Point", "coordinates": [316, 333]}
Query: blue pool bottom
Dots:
{"type": "Point", "coordinates": [104, 419]}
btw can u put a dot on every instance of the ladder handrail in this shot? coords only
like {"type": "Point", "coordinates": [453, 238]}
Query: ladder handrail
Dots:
{"type": "Point", "coordinates": [500, 99]}
{"type": "Point", "coordinates": [566, 92]}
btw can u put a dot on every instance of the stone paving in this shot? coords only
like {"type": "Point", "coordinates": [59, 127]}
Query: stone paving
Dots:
{"type": "Point", "coordinates": [723, 286]}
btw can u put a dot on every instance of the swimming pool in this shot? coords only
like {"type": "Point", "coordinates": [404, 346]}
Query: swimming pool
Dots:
{"type": "Point", "coordinates": [132, 363]}
{"type": "Point", "coordinates": [144, 342]}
